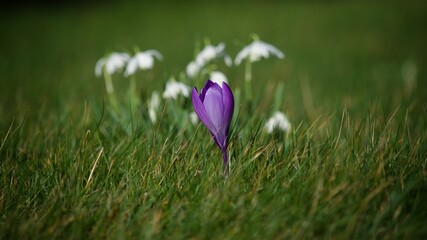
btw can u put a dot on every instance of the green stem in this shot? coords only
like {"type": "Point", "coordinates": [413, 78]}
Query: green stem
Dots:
{"type": "Point", "coordinates": [226, 162]}
{"type": "Point", "coordinates": [110, 91]}
{"type": "Point", "coordinates": [108, 83]}
{"type": "Point", "coordinates": [133, 91]}
{"type": "Point", "coordinates": [248, 80]}
{"type": "Point", "coordinates": [134, 100]}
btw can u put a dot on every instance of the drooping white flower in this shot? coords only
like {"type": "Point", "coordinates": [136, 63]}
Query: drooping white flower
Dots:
{"type": "Point", "coordinates": [174, 89]}
{"type": "Point", "coordinates": [228, 61]}
{"type": "Point", "coordinates": [206, 55]}
{"type": "Point", "coordinates": [257, 50]}
{"type": "Point", "coordinates": [218, 77]}
{"type": "Point", "coordinates": [278, 121]}
{"type": "Point", "coordinates": [142, 60]}
{"type": "Point", "coordinates": [210, 52]}
{"type": "Point", "coordinates": [193, 69]}
{"type": "Point", "coordinates": [194, 119]}
{"type": "Point", "coordinates": [112, 63]}
{"type": "Point", "coordinates": [153, 106]}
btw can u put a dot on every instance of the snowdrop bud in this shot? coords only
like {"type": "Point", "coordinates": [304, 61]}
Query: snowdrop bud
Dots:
{"type": "Point", "coordinates": [194, 119]}
{"type": "Point", "coordinates": [153, 106]}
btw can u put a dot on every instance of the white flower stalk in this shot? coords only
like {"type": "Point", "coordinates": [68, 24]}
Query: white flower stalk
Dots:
{"type": "Point", "coordinates": [142, 60]}
{"type": "Point", "coordinates": [112, 63]}
{"type": "Point", "coordinates": [153, 106]}
{"type": "Point", "coordinates": [194, 119]}
{"type": "Point", "coordinates": [218, 77]}
{"type": "Point", "coordinates": [278, 121]}
{"type": "Point", "coordinates": [193, 69]}
{"type": "Point", "coordinates": [107, 66]}
{"type": "Point", "coordinates": [174, 89]}
{"type": "Point", "coordinates": [252, 53]}
{"type": "Point", "coordinates": [257, 50]}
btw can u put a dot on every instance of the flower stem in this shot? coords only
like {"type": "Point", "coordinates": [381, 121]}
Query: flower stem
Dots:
{"type": "Point", "coordinates": [248, 80]}
{"type": "Point", "coordinates": [133, 92]}
{"type": "Point", "coordinates": [110, 91]}
{"type": "Point", "coordinates": [133, 100]}
{"type": "Point", "coordinates": [108, 83]}
{"type": "Point", "coordinates": [226, 163]}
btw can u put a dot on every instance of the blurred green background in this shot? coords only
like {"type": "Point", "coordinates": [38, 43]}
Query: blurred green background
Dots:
{"type": "Point", "coordinates": [337, 52]}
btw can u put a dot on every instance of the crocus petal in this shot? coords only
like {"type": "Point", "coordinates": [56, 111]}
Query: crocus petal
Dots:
{"type": "Point", "coordinates": [201, 111]}
{"type": "Point", "coordinates": [208, 85]}
{"type": "Point", "coordinates": [228, 102]}
{"type": "Point", "coordinates": [213, 105]}
{"type": "Point", "coordinates": [206, 117]}
{"type": "Point", "coordinates": [215, 110]}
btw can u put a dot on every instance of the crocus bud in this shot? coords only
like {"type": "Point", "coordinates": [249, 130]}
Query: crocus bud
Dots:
{"type": "Point", "coordinates": [214, 106]}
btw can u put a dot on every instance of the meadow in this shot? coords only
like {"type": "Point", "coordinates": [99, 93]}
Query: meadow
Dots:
{"type": "Point", "coordinates": [353, 165]}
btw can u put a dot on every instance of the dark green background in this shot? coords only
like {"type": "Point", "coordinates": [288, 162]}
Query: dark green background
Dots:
{"type": "Point", "coordinates": [345, 52]}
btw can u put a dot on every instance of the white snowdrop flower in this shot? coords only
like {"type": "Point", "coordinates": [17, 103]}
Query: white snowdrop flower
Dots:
{"type": "Point", "coordinates": [98, 67]}
{"type": "Point", "coordinates": [218, 77]}
{"type": "Point", "coordinates": [112, 63]}
{"type": "Point", "coordinates": [194, 119]}
{"type": "Point", "coordinates": [210, 53]}
{"type": "Point", "coordinates": [192, 69]}
{"type": "Point", "coordinates": [142, 60]}
{"type": "Point", "coordinates": [257, 50]}
{"type": "Point", "coordinates": [153, 106]}
{"type": "Point", "coordinates": [173, 89]}
{"type": "Point", "coordinates": [278, 121]}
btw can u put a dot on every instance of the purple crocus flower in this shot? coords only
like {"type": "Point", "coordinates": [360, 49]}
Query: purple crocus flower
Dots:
{"type": "Point", "coordinates": [215, 106]}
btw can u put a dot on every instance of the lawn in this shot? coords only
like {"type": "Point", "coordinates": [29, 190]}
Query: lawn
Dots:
{"type": "Point", "coordinates": [353, 165]}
